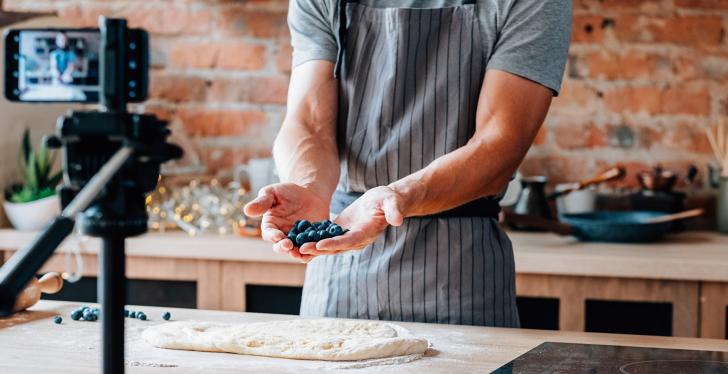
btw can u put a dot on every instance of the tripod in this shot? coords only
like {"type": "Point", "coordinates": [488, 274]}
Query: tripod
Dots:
{"type": "Point", "coordinates": [111, 160]}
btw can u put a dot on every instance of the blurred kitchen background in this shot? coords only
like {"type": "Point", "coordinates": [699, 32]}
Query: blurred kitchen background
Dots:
{"type": "Point", "coordinates": [644, 80]}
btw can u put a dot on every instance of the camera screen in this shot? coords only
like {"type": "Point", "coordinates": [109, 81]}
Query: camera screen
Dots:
{"type": "Point", "coordinates": [58, 65]}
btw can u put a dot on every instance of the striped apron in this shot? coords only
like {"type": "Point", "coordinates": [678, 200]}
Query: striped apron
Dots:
{"type": "Point", "coordinates": [409, 85]}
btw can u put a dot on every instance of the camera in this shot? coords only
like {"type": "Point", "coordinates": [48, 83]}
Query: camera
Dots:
{"type": "Point", "coordinates": [63, 65]}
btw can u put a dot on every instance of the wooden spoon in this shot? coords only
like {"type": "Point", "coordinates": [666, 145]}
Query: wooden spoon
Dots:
{"type": "Point", "coordinates": [675, 216]}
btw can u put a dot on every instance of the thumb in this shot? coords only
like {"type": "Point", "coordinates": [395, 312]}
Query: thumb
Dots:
{"type": "Point", "coordinates": [391, 211]}
{"type": "Point", "coordinates": [260, 204]}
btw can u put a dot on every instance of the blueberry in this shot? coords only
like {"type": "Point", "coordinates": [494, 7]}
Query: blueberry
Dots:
{"type": "Point", "coordinates": [166, 316]}
{"type": "Point", "coordinates": [96, 311]}
{"type": "Point", "coordinates": [335, 230]}
{"type": "Point", "coordinates": [312, 236]}
{"type": "Point", "coordinates": [325, 224]}
{"type": "Point", "coordinates": [132, 314]}
{"type": "Point", "coordinates": [322, 234]}
{"type": "Point", "coordinates": [303, 225]}
{"type": "Point", "coordinates": [292, 237]}
{"type": "Point", "coordinates": [57, 320]}
{"type": "Point", "coordinates": [88, 315]}
{"type": "Point", "coordinates": [76, 314]}
{"type": "Point", "coordinates": [142, 316]}
{"type": "Point", "coordinates": [300, 239]}
{"type": "Point", "coordinates": [126, 313]}
{"type": "Point", "coordinates": [293, 230]}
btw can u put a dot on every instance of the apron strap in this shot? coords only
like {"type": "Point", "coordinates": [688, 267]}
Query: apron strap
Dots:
{"type": "Point", "coordinates": [341, 35]}
{"type": "Point", "coordinates": [483, 207]}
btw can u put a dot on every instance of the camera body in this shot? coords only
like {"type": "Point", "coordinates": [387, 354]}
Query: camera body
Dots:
{"type": "Point", "coordinates": [63, 65]}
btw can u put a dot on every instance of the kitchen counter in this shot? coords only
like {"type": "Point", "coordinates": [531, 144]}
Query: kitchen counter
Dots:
{"type": "Point", "coordinates": [698, 256]}
{"type": "Point", "coordinates": [32, 343]}
{"type": "Point", "coordinates": [689, 271]}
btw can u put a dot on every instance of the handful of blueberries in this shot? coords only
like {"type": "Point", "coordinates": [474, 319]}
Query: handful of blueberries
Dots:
{"type": "Point", "coordinates": [304, 231]}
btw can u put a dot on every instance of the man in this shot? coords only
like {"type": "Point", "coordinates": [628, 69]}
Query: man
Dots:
{"type": "Point", "coordinates": [407, 124]}
{"type": "Point", "coordinates": [63, 60]}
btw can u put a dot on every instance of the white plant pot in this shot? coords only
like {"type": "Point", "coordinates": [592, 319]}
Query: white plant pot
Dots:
{"type": "Point", "coordinates": [33, 215]}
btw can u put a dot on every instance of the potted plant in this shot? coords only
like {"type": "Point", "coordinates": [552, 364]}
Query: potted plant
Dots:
{"type": "Point", "coordinates": [31, 204]}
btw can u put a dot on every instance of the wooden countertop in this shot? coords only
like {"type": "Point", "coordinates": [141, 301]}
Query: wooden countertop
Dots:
{"type": "Point", "coordinates": [698, 255]}
{"type": "Point", "coordinates": [31, 343]}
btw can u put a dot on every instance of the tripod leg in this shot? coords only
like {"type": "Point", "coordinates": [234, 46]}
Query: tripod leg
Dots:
{"type": "Point", "coordinates": [112, 288]}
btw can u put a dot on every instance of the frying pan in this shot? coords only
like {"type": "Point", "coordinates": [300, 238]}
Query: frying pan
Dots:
{"type": "Point", "coordinates": [607, 226]}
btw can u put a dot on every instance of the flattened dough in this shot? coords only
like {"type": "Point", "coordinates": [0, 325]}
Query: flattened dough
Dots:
{"type": "Point", "coordinates": [305, 339]}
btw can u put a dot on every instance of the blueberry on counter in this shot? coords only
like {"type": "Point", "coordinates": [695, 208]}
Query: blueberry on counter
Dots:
{"type": "Point", "coordinates": [88, 315]}
{"type": "Point", "coordinates": [142, 316]}
{"type": "Point", "coordinates": [166, 316]}
{"type": "Point", "coordinates": [76, 314]}
{"type": "Point", "coordinates": [57, 320]}
{"type": "Point", "coordinates": [132, 314]}
{"type": "Point", "coordinates": [126, 312]}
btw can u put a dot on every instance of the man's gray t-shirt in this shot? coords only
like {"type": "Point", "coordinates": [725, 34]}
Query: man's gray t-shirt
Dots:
{"type": "Point", "coordinates": [528, 38]}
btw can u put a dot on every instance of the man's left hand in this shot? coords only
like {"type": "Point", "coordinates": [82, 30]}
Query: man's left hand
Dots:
{"type": "Point", "coordinates": [366, 219]}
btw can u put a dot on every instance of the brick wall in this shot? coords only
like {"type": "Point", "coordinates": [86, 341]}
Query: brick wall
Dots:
{"type": "Point", "coordinates": [643, 77]}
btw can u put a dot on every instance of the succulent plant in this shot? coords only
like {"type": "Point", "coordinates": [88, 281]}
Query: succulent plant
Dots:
{"type": "Point", "coordinates": [36, 168]}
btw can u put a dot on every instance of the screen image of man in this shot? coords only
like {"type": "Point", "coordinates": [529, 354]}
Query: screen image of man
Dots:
{"type": "Point", "coordinates": [63, 60]}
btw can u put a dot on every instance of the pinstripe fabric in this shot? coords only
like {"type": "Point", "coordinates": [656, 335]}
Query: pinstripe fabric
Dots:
{"type": "Point", "coordinates": [410, 79]}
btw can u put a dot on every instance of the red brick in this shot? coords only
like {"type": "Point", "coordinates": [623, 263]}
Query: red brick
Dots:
{"type": "Point", "coordinates": [213, 123]}
{"type": "Point", "coordinates": [587, 29]}
{"type": "Point", "coordinates": [221, 160]}
{"type": "Point", "coordinates": [687, 30]}
{"type": "Point", "coordinates": [84, 16]}
{"type": "Point", "coordinates": [576, 95]}
{"type": "Point", "coordinates": [693, 66]}
{"type": "Point", "coordinates": [283, 58]}
{"type": "Point", "coordinates": [641, 5]}
{"type": "Point", "coordinates": [557, 169]}
{"type": "Point", "coordinates": [631, 64]}
{"type": "Point", "coordinates": [633, 100]}
{"type": "Point", "coordinates": [686, 100]}
{"type": "Point", "coordinates": [672, 100]}
{"type": "Point", "coordinates": [241, 56]}
{"type": "Point", "coordinates": [177, 88]}
{"type": "Point", "coordinates": [702, 4]}
{"type": "Point", "coordinates": [261, 90]}
{"type": "Point", "coordinates": [687, 137]}
{"type": "Point", "coordinates": [261, 24]}
{"type": "Point", "coordinates": [579, 136]}
{"type": "Point", "coordinates": [168, 20]}
{"type": "Point", "coordinates": [193, 55]}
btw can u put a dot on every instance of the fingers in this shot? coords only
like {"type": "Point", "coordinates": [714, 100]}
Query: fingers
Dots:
{"type": "Point", "coordinates": [304, 258]}
{"type": "Point", "coordinates": [350, 240]}
{"type": "Point", "coordinates": [271, 232]}
{"type": "Point", "coordinates": [283, 246]}
{"type": "Point", "coordinates": [391, 212]}
{"type": "Point", "coordinates": [260, 204]}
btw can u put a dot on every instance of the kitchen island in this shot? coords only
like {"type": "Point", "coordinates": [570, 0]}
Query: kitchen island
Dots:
{"type": "Point", "coordinates": [32, 343]}
{"type": "Point", "coordinates": [688, 271]}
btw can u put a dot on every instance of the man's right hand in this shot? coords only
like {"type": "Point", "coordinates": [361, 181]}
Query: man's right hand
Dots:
{"type": "Point", "coordinates": [281, 205]}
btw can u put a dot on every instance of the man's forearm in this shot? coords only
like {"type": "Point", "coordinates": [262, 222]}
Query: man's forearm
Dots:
{"type": "Point", "coordinates": [305, 150]}
{"type": "Point", "coordinates": [307, 158]}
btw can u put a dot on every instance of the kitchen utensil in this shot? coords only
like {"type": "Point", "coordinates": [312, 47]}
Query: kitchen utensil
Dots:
{"type": "Point", "coordinates": [579, 201]}
{"type": "Point", "coordinates": [604, 226]}
{"type": "Point", "coordinates": [532, 201]}
{"type": "Point", "coordinates": [675, 216]}
{"type": "Point", "coordinates": [663, 180]}
{"type": "Point", "coordinates": [717, 134]}
{"type": "Point", "coordinates": [49, 283]}
{"type": "Point", "coordinates": [616, 172]}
